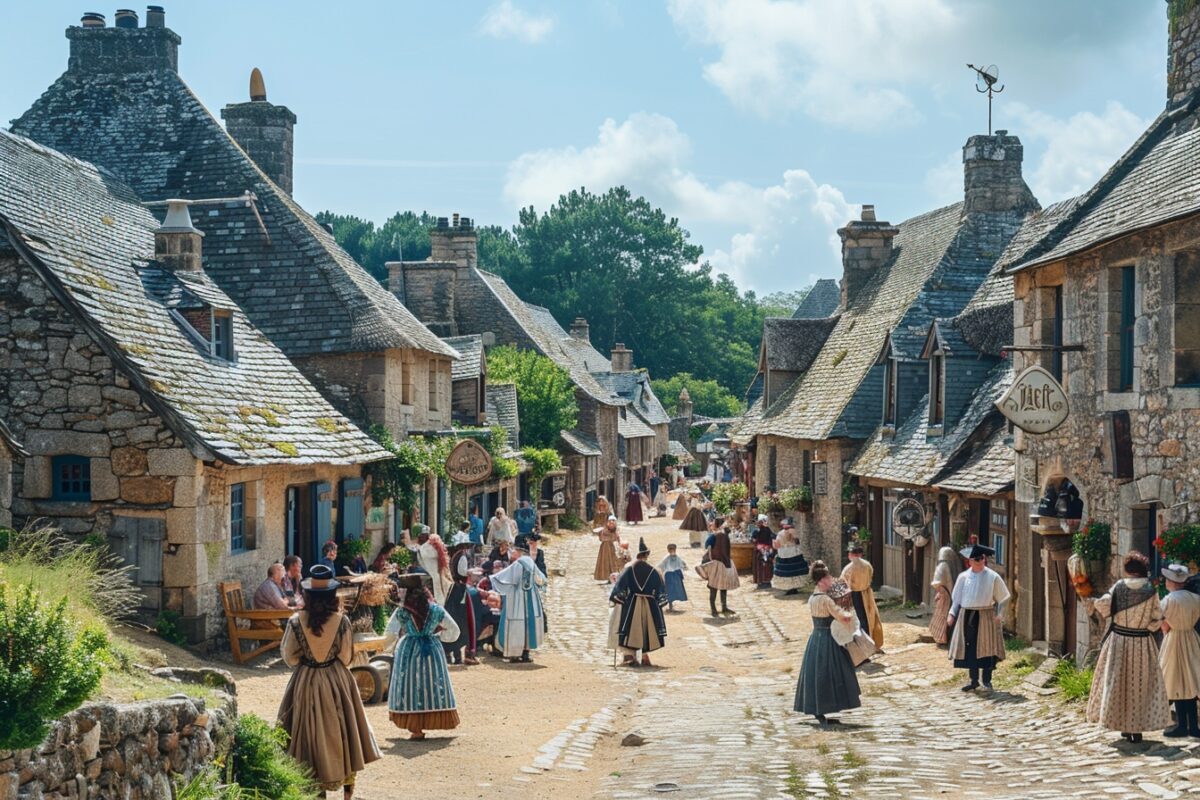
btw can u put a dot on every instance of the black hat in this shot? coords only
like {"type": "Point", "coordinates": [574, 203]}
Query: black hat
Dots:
{"type": "Point", "coordinates": [642, 549]}
{"type": "Point", "coordinates": [320, 579]}
{"type": "Point", "coordinates": [413, 580]}
{"type": "Point", "coordinates": [976, 551]}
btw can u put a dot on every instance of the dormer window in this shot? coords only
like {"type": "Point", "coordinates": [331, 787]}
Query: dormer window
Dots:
{"type": "Point", "coordinates": [890, 389]}
{"type": "Point", "coordinates": [222, 334]}
{"type": "Point", "coordinates": [210, 328]}
{"type": "Point", "coordinates": [937, 390]}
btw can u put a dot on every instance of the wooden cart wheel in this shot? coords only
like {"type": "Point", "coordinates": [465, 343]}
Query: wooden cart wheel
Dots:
{"type": "Point", "coordinates": [369, 682]}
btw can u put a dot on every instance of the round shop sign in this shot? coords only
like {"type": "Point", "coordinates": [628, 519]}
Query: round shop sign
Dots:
{"type": "Point", "coordinates": [469, 462]}
{"type": "Point", "coordinates": [1036, 402]}
{"type": "Point", "coordinates": [908, 518]}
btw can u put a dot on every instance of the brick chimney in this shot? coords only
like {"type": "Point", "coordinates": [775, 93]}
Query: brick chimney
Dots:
{"type": "Point", "coordinates": [622, 358]}
{"type": "Point", "coordinates": [124, 48]}
{"type": "Point", "coordinates": [992, 175]}
{"type": "Point", "coordinates": [265, 131]}
{"type": "Point", "coordinates": [454, 240]}
{"type": "Point", "coordinates": [177, 242]}
{"type": "Point", "coordinates": [1183, 51]}
{"type": "Point", "coordinates": [580, 330]}
{"type": "Point", "coordinates": [866, 246]}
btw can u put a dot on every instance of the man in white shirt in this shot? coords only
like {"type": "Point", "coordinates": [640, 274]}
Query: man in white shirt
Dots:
{"type": "Point", "coordinates": [501, 529]}
{"type": "Point", "coordinates": [977, 604]}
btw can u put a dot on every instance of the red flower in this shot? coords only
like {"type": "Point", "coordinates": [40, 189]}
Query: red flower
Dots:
{"type": "Point", "coordinates": [1158, 542]}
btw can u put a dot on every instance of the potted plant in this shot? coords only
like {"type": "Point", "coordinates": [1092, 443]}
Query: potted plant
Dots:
{"type": "Point", "coordinates": [799, 498]}
{"type": "Point", "coordinates": [726, 495]}
{"type": "Point", "coordinates": [1091, 547]}
{"type": "Point", "coordinates": [1179, 544]}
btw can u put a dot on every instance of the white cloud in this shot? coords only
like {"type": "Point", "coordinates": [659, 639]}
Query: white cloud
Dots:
{"type": "Point", "coordinates": [506, 21]}
{"type": "Point", "coordinates": [1077, 150]}
{"type": "Point", "coordinates": [841, 62]}
{"type": "Point", "coordinates": [649, 154]}
{"type": "Point", "coordinates": [944, 182]}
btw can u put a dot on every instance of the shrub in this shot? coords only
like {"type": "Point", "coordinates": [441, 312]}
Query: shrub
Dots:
{"type": "Point", "coordinates": [261, 763]}
{"type": "Point", "coordinates": [206, 785]}
{"type": "Point", "coordinates": [1076, 684]}
{"type": "Point", "coordinates": [542, 461]}
{"type": "Point", "coordinates": [351, 549]}
{"type": "Point", "coordinates": [167, 626]}
{"type": "Point", "coordinates": [1093, 542]}
{"type": "Point", "coordinates": [797, 497]}
{"type": "Point", "coordinates": [725, 495]}
{"type": "Point", "coordinates": [48, 667]}
{"type": "Point", "coordinates": [1180, 544]}
{"type": "Point", "coordinates": [571, 522]}
{"type": "Point", "coordinates": [402, 557]}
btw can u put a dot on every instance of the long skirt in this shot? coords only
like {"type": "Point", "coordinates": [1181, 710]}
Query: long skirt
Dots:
{"type": "Point", "coordinates": [694, 521]}
{"type": "Point", "coordinates": [1128, 693]}
{"type": "Point", "coordinates": [607, 561]}
{"type": "Point", "coordinates": [764, 559]}
{"type": "Point", "coordinates": [938, 628]}
{"type": "Point", "coordinates": [675, 590]}
{"type": "Point", "coordinates": [633, 508]}
{"type": "Point", "coordinates": [978, 639]}
{"type": "Point", "coordinates": [682, 507]}
{"type": "Point", "coordinates": [643, 633]}
{"type": "Point", "coordinates": [420, 697]}
{"type": "Point", "coordinates": [322, 712]}
{"type": "Point", "coordinates": [827, 681]}
{"type": "Point", "coordinates": [459, 607]}
{"type": "Point", "coordinates": [789, 571]}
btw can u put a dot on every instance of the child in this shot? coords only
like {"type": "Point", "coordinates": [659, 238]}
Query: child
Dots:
{"type": "Point", "coordinates": [672, 568]}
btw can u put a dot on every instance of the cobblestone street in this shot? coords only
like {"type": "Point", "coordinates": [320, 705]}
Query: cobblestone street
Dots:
{"type": "Point", "coordinates": [715, 713]}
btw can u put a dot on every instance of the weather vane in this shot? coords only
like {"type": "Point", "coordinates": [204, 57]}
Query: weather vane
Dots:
{"type": "Point", "coordinates": [985, 83]}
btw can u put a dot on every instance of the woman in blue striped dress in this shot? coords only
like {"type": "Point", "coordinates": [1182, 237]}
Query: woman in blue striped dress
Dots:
{"type": "Point", "coordinates": [420, 697]}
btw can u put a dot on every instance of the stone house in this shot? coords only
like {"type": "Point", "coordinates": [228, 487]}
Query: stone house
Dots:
{"type": "Point", "coordinates": [869, 375]}
{"type": "Point", "coordinates": [10, 451]}
{"type": "Point", "coordinates": [468, 381]}
{"type": "Point", "coordinates": [122, 104]}
{"type": "Point", "coordinates": [1108, 300]}
{"type": "Point", "coordinates": [152, 409]}
{"type": "Point", "coordinates": [453, 297]}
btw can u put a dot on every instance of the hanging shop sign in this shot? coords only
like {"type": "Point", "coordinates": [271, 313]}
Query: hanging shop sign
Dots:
{"type": "Point", "coordinates": [1036, 402]}
{"type": "Point", "coordinates": [908, 517]}
{"type": "Point", "coordinates": [469, 462]}
{"type": "Point", "coordinates": [820, 471]}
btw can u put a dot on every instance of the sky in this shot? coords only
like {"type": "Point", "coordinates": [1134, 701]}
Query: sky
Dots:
{"type": "Point", "coordinates": [761, 124]}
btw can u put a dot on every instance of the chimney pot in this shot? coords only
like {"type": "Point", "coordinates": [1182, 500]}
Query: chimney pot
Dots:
{"type": "Point", "coordinates": [455, 220]}
{"type": "Point", "coordinates": [580, 329]}
{"type": "Point", "coordinates": [177, 242]}
{"type": "Point", "coordinates": [442, 222]}
{"type": "Point", "coordinates": [92, 19]}
{"type": "Point", "coordinates": [156, 17]}
{"type": "Point", "coordinates": [1002, 132]}
{"type": "Point", "coordinates": [992, 178]}
{"type": "Point", "coordinates": [126, 18]}
{"type": "Point", "coordinates": [258, 87]}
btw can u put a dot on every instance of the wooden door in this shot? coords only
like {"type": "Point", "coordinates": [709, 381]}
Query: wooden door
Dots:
{"type": "Point", "coordinates": [893, 549]}
{"type": "Point", "coordinates": [138, 542]}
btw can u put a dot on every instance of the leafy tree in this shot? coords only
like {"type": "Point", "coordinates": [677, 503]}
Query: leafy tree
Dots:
{"type": "Point", "coordinates": [783, 304]}
{"type": "Point", "coordinates": [404, 236]}
{"type": "Point", "coordinates": [709, 398]}
{"type": "Point", "coordinates": [545, 393]}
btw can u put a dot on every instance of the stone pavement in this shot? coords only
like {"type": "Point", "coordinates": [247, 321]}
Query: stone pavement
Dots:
{"type": "Point", "coordinates": [715, 713]}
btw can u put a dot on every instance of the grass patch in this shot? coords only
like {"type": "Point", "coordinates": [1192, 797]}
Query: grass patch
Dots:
{"type": "Point", "coordinates": [1014, 644]}
{"type": "Point", "coordinates": [822, 748]}
{"type": "Point", "coordinates": [794, 785]}
{"type": "Point", "coordinates": [748, 712]}
{"type": "Point", "coordinates": [853, 760]}
{"type": "Point", "coordinates": [1075, 683]}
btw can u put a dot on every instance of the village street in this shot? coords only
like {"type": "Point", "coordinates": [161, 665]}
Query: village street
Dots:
{"type": "Point", "coordinates": [715, 713]}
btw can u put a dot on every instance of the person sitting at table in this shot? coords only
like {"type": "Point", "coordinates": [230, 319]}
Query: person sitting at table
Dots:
{"type": "Point", "coordinates": [293, 573]}
{"type": "Point", "coordinates": [383, 561]}
{"type": "Point", "coordinates": [499, 553]}
{"type": "Point", "coordinates": [270, 592]}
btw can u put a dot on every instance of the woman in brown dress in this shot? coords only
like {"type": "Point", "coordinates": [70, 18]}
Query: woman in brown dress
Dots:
{"type": "Point", "coordinates": [607, 561]}
{"type": "Point", "coordinates": [322, 710]}
{"type": "Point", "coordinates": [600, 514]}
{"type": "Point", "coordinates": [943, 585]}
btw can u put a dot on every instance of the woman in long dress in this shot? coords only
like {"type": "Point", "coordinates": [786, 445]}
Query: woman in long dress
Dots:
{"type": "Point", "coordinates": [1180, 654]}
{"type": "Point", "coordinates": [322, 709]}
{"type": "Point", "coordinates": [943, 585]}
{"type": "Point", "coordinates": [719, 572]}
{"type": "Point", "coordinates": [1128, 694]}
{"type": "Point", "coordinates": [633, 504]}
{"type": "Point", "coordinates": [827, 681]}
{"type": "Point", "coordinates": [607, 560]}
{"type": "Point", "coordinates": [790, 564]}
{"type": "Point", "coordinates": [420, 697]}
{"type": "Point", "coordinates": [600, 514]}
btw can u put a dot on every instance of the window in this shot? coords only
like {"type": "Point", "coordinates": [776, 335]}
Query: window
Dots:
{"type": "Point", "coordinates": [889, 392]}
{"type": "Point", "coordinates": [222, 335]}
{"type": "Point", "coordinates": [406, 380]}
{"type": "Point", "coordinates": [237, 517]}
{"type": "Point", "coordinates": [1056, 335]}
{"type": "Point", "coordinates": [998, 542]}
{"type": "Point", "coordinates": [937, 389]}
{"type": "Point", "coordinates": [889, 533]}
{"type": "Point", "coordinates": [771, 464]}
{"type": "Point", "coordinates": [72, 478]}
{"type": "Point", "coordinates": [433, 386]}
{"type": "Point", "coordinates": [1187, 319]}
{"type": "Point", "coordinates": [807, 464]}
{"type": "Point", "coordinates": [1128, 316]}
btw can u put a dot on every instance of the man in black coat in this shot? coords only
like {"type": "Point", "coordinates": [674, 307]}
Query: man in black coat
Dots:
{"type": "Point", "coordinates": [641, 592]}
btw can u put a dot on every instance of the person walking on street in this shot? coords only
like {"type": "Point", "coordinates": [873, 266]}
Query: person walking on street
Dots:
{"type": "Point", "coordinates": [943, 585]}
{"type": "Point", "coordinates": [977, 602]}
{"type": "Point", "coordinates": [607, 560]}
{"type": "Point", "coordinates": [719, 572]}
{"type": "Point", "coordinates": [859, 573]}
{"type": "Point", "coordinates": [633, 504]}
{"type": "Point", "coordinates": [322, 709]}
{"type": "Point", "coordinates": [420, 696]}
{"type": "Point", "coordinates": [1180, 654]}
{"type": "Point", "coordinates": [641, 593]}
{"type": "Point", "coordinates": [764, 552]}
{"type": "Point", "coordinates": [827, 683]}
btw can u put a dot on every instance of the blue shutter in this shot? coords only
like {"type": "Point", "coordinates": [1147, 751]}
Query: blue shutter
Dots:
{"type": "Point", "coordinates": [1128, 318]}
{"type": "Point", "coordinates": [322, 515]}
{"type": "Point", "coordinates": [443, 506]}
{"type": "Point", "coordinates": [350, 509]}
{"type": "Point", "coordinates": [237, 517]}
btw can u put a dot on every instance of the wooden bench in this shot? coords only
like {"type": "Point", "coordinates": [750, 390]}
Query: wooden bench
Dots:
{"type": "Point", "coordinates": [265, 625]}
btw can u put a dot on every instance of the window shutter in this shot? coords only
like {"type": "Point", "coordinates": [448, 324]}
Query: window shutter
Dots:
{"type": "Point", "coordinates": [350, 509]}
{"type": "Point", "coordinates": [322, 514]}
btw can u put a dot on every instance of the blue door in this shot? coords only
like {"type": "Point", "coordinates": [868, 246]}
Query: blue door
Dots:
{"type": "Point", "coordinates": [322, 515]}
{"type": "Point", "coordinates": [350, 509]}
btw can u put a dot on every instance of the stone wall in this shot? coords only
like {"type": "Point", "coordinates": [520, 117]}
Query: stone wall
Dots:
{"type": "Point", "coordinates": [1183, 56]}
{"type": "Point", "coordinates": [6, 486]}
{"type": "Point", "coordinates": [132, 751]}
{"type": "Point", "coordinates": [265, 131]}
{"type": "Point", "coordinates": [820, 530]}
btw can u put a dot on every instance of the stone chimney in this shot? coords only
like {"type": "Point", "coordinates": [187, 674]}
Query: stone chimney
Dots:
{"type": "Point", "coordinates": [1183, 51]}
{"type": "Point", "coordinates": [992, 175]}
{"type": "Point", "coordinates": [866, 246]}
{"type": "Point", "coordinates": [580, 329]}
{"type": "Point", "coordinates": [177, 242]}
{"type": "Point", "coordinates": [622, 358]}
{"type": "Point", "coordinates": [427, 289]}
{"type": "Point", "coordinates": [265, 131]}
{"type": "Point", "coordinates": [454, 240]}
{"type": "Point", "coordinates": [683, 407]}
{"type": "Point", "coordinates": [124, 48]}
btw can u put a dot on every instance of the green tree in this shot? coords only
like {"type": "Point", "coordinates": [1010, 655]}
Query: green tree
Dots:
{"type": "Point", "coordinates": [405, 236]}
{"type": "Point", "coordinates": [545, 393]}
{"type": "Point", "coordinates": [783, 304]}
{"type": "Point", "coordinates": [709, 398]}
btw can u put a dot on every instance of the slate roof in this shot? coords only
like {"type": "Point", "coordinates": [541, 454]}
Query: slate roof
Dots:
{"type": "Point", "coordinates": [743, 430]}
{"type": "Point", "coordinates": [755, 390]}
{"type": "Point", "coordinates": [582, 351]}
{"type": "Point", "coordinates": [635, 387]}
{"type": "Point", "coordinates": [790, 345]}
{"type": "Point", "coordinates": [940, 259]}
{"type": "Point", "coordinates": [10, 441]}
{"type": "Point", "coordinates": [679, 451]}
{"type": "Point", "coordinates": [470, 363]}
{"type": "Point", "coordinates": [631, 427]}
{"type": "Point", "coordinates": [550, 340]}
{"type": "Point", "coordinates": [822, 300]}
{"type": "Point", "coordinates": [283, 269]}
{"type": "Point", "coordinates": [580, 443]}
{"type": "Point", "coordinates": [987, 468]}
{"type": "Point", "coordinates": [501, 407]}
{"type": "Point", "coordinates": [913, 458]}
{"type": "Point", "coordinates": [92, 243]}
{"type": "Point", "coordinates": [1157, 180]}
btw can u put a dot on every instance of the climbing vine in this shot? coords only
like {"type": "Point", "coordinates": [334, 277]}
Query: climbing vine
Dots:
{"type": "Point", "coordinates": [398, 478]}
{"type": "Point", "coordinates": [542, 461]}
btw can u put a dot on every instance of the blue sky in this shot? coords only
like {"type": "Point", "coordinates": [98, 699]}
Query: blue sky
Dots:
{"type": "Point", "coordinates": [761, 124]}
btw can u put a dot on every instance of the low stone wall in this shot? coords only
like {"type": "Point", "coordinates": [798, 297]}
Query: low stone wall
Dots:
{"type": "Point", "coordinates": [131, 751]}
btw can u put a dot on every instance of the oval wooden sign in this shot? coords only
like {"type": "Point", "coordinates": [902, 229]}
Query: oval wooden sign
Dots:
{"type": "Point", "coordinates": [1036, 402]}
{"type": "Point", "coordinates": [469, 462]}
